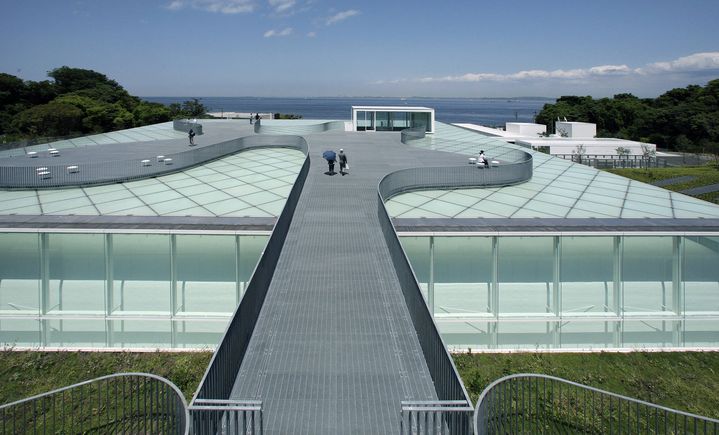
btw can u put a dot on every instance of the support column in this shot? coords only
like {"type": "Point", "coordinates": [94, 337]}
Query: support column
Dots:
{"type": "Point", "coordinates": [238, 285]}
{"type": "Point", "coordinates": [109, 291]}
{"type": "Point", "coordinates": [173, 290]}
{"type": "Point", "coordinates": [556, 301]}
{"type": "Point", "coordinates": [44, 286]}
{"type": "Point", "coordinates": [677, 289]}
{"type": "Point", "coordinates": [494, 291]}
{"type": "Point", "coordinates": [618, 290]}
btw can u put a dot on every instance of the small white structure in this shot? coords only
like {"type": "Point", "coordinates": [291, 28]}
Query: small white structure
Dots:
{"type": "Point", "coordinates": [575, 129]}
{"type": "Point", "coordinates": [392, 118]}
{"type": "Point", "coordinates": [527, 129]}
{"type": "Point", "coordinates": [563, 146]}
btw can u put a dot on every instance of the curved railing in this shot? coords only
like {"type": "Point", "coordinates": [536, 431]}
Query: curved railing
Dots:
{"type": "Point", "coordinates": [185, 125]}
{"type": "Point", "coordinates": [142, 167]}
{"type": "Point", "coordinates": [262, 128]}
{"type": "Point", "coordinates": [534, 403]}
{"type": "Point", "coordinates": [455, 177]}
{"type": "Point", "coordinates": [118, 403]}
{"type": "Point", "coordinates": [413, 134]}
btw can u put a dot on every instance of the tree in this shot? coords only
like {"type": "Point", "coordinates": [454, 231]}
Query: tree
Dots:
{"type": "Point", "coordinates": [150, 113]}
{"type": "Point", "coordinates": [52, 119]}
{"type": "Point", "coordinates": [188, 109]}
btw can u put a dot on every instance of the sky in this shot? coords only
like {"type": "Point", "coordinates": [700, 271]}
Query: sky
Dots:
{"type": "Point", "coordinates": [397, 48]}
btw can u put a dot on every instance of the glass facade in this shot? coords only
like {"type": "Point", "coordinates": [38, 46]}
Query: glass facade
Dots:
{"type": "Point", "coordinates": [571, 292]}
{"type": "Point", "coordinates": [392, 121]}
{"type": "Point", "coordinates": [122, 290]}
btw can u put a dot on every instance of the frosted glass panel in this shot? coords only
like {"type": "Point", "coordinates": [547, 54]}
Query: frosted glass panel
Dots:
{"type": "Point", "coordinates": [586, 275]}
{"type": "Point", "coordinates": [77, 272]}
{"type": "Point", "coordinates": [463, 335]}
{"type": "Point", "coordinates": [463, 275]}
{"type": "Point", "coordinates": [647, 274]}
{"type": "Point", "coordinates": [417, 249]}
{"type": "Point", "coordinates": [525, 335]}
{"type": "Point", "coordinates": [141, 333]}
{"type": "Point", "coordinates": [204, 333]}
{"type": "Point", "coordinates": [587, 335]}
{"type": "Point", "coordinates": [76, 333]}
{"type": "Point", "coordinates": [701, 333]}
{"type": "Point", "coordinates": [647, 333]}
{"type": "Point", "coordinates": [701, 275]}
{"type": "Point", "coordinates": [19, 332]}
{"type": "Point", "coordinates": [141, 267]}
{"type": "Point", "coordinates": [206, 269]}
{"type": "Point", "coordinates": [525, 274]}
{"type": "Point", "coordinates": [250, 249]}
{"type": "Point", "coordinates": [19, 273]}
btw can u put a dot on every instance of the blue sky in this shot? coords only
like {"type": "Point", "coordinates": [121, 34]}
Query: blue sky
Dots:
{"type": "Point", "coordinates": [480, 48]}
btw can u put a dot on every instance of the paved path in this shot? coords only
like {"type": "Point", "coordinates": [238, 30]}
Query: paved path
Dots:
{"type": "Point", "coordinates": [334, 350]}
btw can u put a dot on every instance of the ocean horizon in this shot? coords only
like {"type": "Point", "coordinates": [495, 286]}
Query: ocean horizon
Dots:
{"type": "Point", "coordinates": [486, 111]}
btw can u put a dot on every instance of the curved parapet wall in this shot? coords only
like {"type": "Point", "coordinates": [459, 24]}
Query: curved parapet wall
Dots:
{"type": "Point", "coordinates": [320, 127]}
{"type": "Point", "coordinates": [185, 125]}
{"type": "Point", "coordinates": [413, 134]}
{"type": "Point", "coordinates": [547, 404]}
{"type": "Point", "coordinates": [143, 167]}
{"type": "Point", "coordinates": [457, 177]}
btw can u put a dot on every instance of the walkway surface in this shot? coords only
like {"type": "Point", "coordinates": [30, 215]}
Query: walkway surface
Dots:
{"type": "Point", "coordinates": [334, 350]}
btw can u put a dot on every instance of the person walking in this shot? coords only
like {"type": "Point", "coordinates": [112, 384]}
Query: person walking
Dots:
{"type": "Point", "coordinates": [257, 118]}
{"type": "Point", "coordinates": [250, 118]}
{"type": "Point", "coordinates": [342, 157]}
{"type": "Point", "coordinates": [191, 135]}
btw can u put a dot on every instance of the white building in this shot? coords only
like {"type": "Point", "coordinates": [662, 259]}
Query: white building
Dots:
{"type": "Point", "coordinates": [575, 129]}
{"type": "Point", "coordinates": [391, 118]}
{"type": "Point", "coordinates": [527, 129]}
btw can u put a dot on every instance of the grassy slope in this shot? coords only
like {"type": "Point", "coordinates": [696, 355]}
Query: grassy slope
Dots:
{"type": "Point", "coordinates": [683, 380]}
{"type": "Point", "coordinates": [704, 175]}
{"type": "Point", "coordinates": [24, 374]}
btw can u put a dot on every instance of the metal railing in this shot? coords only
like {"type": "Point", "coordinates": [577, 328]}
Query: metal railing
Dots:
{"type": "Point", "coordinates": [185, 125]}
{"type": "Point", "coordinates": [118, 403]}
{"type": "Point", "coordinates": [436, 417]}
{"type": "Point", "coordinates": [219, 379]}
{"type": "Point", "coordinates": [321, 127]}
{"type": "Point", "coordinates": [226, 417]}
{"type": "Point", "coordinates": [534, 403]}
{"type": "Point", "coordinates": [145, 166]}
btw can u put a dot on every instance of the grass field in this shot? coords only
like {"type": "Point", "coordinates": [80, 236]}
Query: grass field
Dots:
{"type": "Point", "coordinates": [684, 380]}
{"type": "Point", "coordinates": [705, 175]}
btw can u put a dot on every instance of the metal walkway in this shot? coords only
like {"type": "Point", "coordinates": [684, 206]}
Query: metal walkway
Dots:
{"type": "Point", "coordinates": [334, 349]}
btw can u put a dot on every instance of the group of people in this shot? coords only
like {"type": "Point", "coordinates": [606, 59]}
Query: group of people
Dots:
{"type": "Point", "coordinates": [256, 118]}
{"type": "Point", "coordinates": [331, 157]}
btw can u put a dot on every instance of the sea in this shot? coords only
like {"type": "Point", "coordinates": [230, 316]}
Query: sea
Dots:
{"type": "Point", "coordinates": [485, 111]}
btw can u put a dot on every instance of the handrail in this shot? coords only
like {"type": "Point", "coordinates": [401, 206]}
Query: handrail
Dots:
{"type": "Point", "coordinates": [436, 417]}
{"type": "Point", "coordinates": [219, 378]}
{"type": "Point", "coordinates": [117, 403]}
{"type": "Point", "coordinates": [211, 416]}
{"type": "Point", "coordinates": [145, 166]}
{"type": "Point", "coordinates": [530, 402]}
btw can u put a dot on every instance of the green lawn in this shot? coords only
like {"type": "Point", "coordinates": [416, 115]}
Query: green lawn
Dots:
{"type": "Point", "coordinates": [687, 381]}
{"type": "Point", "coordinates": [683, 380]}
{"type": "Point", "coordinates": [708, 174]}
{"type": "Point", "coordinates": [24, 374]}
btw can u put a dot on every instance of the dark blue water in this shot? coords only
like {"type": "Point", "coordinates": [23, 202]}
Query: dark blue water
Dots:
{"type": "Point", "coordinates": [486, 111]}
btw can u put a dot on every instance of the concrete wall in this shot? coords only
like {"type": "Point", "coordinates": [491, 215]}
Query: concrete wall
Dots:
{"type": "Point", "coordinates": [525, 128]}
{"type": "Point", "coordinates": [576, 129]}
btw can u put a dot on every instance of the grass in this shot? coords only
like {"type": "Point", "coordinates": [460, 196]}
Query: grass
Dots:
{"type": "Point", "coordinates": [687, 381]}
{"type": "Point", "coordinates": [683, 380]}
{"type": "Point", "coordinates": [705, 175]}
{"type": "Point", "coordinates": [27, 373]}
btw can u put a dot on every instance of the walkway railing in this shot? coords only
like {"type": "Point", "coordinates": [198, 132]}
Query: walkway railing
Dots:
{"type": "Point", "coordinates": [436, 417]}
{"type": "Point", "coordinates": [118, 403]}
{"type": "Point", "coordinates": [226, 417]}
{"type": "Point", "coordinates": [44, 175]}
{"type": "Point", "coordinates": [532, 403]}
{"type": "Point", "coordinates": [413, 134]}
{"type": "Point", "coordinates": [219, 379]}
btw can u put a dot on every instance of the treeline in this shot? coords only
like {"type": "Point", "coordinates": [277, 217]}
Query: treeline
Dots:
{"type": "Point", "coordinates": [77, 101]}
{"type": "Point", "coordinates": [683, 119]}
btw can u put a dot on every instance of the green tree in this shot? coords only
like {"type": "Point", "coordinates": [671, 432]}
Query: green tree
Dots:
{"type": "Point", "coordinates": [52, 119]}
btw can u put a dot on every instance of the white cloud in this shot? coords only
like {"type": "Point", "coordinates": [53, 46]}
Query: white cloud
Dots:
{"type": "Point", "coordinates": [287, 31]}
{"type": "Point", "coordinates": [341, 16]}
{"type": "Point", "coordinates": [311, 34]}
{"type": "Point", "coordinates": [691, 63]}
{"type": "Point", "coordinates": [281, 6]}
{"type": "Point", "coordinates": [221, 6]}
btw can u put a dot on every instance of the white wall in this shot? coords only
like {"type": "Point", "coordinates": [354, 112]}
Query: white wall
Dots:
{"type": "Point", "coordinates": [525, 128]}
{"type": "Point", "coordinates": [576, 129]}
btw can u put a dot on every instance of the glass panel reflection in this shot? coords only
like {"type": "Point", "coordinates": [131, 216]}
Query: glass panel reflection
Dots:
{"type": "Point", "coordinates": [141, 270]}
{"type": "Point", "coordinates": [77, 273]}
{"type": "Point", "coordinates": [463, 275]}
{"type": "Point", "coordinates": [525, 274]}
{"type": "Point", "coordinates": [19, 273]}
{"type": "Point", "coordinates": [206, 270]}
{"type": "Point", "coordinates": [586, 275]}
{"type": "Point", "coordinates": [647, 274]}
{"type": "Point", "coordinates": [701, 275]}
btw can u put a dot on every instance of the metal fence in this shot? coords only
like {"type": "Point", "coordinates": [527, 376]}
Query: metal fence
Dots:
{"type": "Point", "coordinates": [436, 417]}
{"type": "Point", "coordinates": [149, 165]}
{"type": "Point", "coordinates": [533, 403]}
{"type": "Point", "coordinates": [615, 161]}
{"type": "Point", "coordinates": [220, 376]}
{"type": "Point", "coordinates": [118, 403]}
{"type": "Point", "coordinates": [226, 417]}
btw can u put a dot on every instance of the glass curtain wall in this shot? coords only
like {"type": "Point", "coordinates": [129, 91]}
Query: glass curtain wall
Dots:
{"type": "Point", "coordinates": [583, 292]}
{"type": "Point", "coordinates": [121, 290]}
